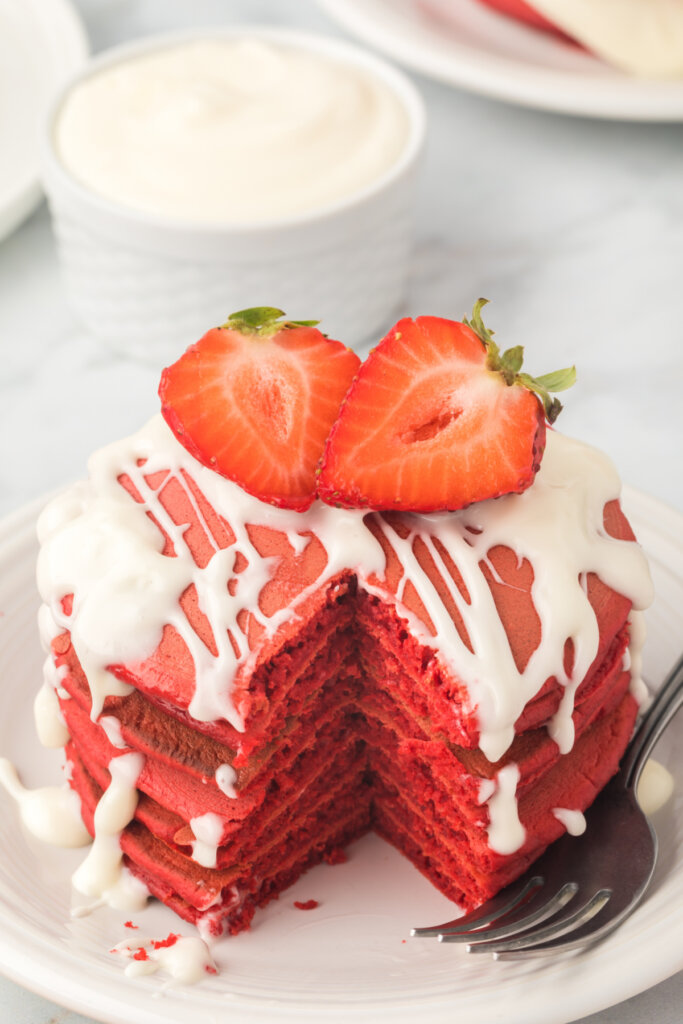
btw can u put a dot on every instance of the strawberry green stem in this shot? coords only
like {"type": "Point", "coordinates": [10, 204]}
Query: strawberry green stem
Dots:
{"type": "Point", "coordinates": [508, 365]}
{"type": "Point", "coordinates": [263, 321]}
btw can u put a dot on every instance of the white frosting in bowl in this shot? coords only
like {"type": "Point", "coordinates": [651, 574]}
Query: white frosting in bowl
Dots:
{"type": "Point", "coordinates": [233, 130]}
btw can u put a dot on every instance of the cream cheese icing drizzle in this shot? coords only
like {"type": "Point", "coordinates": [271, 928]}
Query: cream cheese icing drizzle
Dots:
{"type": "Point", "coordinates": [47, 715]}
{"type": "Point", "coordinates": [100, 873]}
{"type": "Point", "coordinates": [112, 729]}
{"type": "Point", "coordinates": [506, 832]}
{"type": "Point", "coordinates": [655, 786]}
{"type": "Point", "coordinates": [487, 787]}
{"type": "Point", "coordinates": [101, 546]}
{"type": "Point", "coordinates": [573, 821]}
{"type": "Point", "coordinates": [633, 658]}
{"type": "Point", "coordinates": [47, 627]}
{"type": "Point", "coordinates": [50, 813]}
{"type": "Point", "coordinates": [226, 777]}
{"type": "Point", "coordinates": [186, 958]}
{"type": "Point", "coordinates": [208, 830]}
{"type": "Point", "coordinates": [128, 894]}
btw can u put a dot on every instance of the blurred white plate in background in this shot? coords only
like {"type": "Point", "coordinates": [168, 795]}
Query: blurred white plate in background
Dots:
{"type": "Point", "coordinates": [42, 42]}
{"type": "Point", "coordinates": [464, 43]}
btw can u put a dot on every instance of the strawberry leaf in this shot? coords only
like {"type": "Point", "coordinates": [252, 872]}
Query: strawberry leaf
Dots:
{"type": "Point", "coordinates": [509, 364]}
{"type": "Point", "coordinates": [258, 316]}
{"type": "Point", "coordinates": [552, 406]}
{"type": "Point", "coordinates": [559, 380]}
{"type": "Point", "coordinates": [478, 326]}
{"type": "Point", "coordinates": [263, 321]}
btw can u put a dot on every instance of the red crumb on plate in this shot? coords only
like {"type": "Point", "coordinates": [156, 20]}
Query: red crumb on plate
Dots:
{"type": "Point", "coordinates": [170, 940]}
{"type": "Point", "coordinates": [307, 905]}
{"type": "Point", "coordinates": [336, 856]}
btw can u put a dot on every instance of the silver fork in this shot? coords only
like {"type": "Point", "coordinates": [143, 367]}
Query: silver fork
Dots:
{"type": "Point", "coordinates": [583, 887]}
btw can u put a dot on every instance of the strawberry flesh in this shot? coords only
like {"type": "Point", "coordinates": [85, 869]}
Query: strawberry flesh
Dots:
{"type": "Point", "coordinates": [257, 405]}
{"type": "Point", "coordinates": [428, 426]}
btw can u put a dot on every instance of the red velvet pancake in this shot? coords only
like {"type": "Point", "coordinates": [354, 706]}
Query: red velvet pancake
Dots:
{"type": "Point", "coordinates": [349, 713]}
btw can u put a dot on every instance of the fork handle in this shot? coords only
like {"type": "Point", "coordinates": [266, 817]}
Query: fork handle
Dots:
{"type": "Point", "coordinates": [663, 708]}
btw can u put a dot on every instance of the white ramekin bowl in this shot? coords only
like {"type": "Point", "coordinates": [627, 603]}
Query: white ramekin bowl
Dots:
{"type": "Point", "coordinates": [149, 287]}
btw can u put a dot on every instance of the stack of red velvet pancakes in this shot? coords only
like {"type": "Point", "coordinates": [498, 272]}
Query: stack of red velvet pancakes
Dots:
{"type": "Point", "coordinates": [262, 672]}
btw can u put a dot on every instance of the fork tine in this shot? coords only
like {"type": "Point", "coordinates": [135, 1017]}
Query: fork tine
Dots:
{"type": "Point", "coordinates": [527, 943]}
{"type": "Point", "coordinates": [587, 929]}
{"type": "Point", "coordinates": [504, 902]}
{"type": "Point", "coordinates": [583, 935]}
{"type": "Point", "coordinates": [514, 923]}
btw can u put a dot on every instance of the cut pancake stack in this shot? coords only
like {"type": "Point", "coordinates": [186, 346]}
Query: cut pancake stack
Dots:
{"type": "Point", "coordinates": [349, 714]}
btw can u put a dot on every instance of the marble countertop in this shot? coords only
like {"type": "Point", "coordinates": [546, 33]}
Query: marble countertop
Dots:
{"type": "Point", "coordinates": [573, 229]}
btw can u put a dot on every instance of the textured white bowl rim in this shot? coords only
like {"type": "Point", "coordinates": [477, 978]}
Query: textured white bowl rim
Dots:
{"type": "Point", "coordinates": [58, 178]}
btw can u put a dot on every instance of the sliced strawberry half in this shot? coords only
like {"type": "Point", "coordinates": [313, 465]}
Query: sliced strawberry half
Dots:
{"type": "Point", "coordinates": [436, 419]}
{"type": "Point", "coordinates": [254, 400]}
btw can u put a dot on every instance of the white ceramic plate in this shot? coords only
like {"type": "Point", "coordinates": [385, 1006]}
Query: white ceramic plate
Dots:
{"type": "Point", "coordinates": [41, 43]}
{"type": "Point", "coordinates": [466, 44]}
{"type": "Point", "coordinates": [351, 959]}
